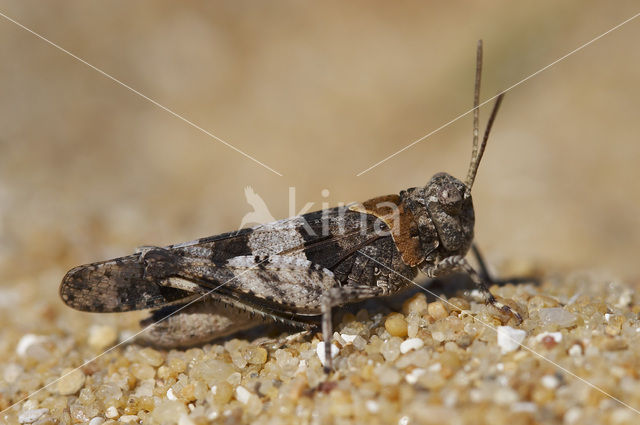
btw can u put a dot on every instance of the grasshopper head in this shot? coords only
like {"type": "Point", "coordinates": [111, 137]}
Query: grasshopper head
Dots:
{"type": "Point", "coordinates": [448, 201]}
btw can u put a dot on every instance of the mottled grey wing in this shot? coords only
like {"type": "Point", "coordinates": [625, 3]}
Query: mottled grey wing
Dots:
{"type": "Point", "coordinates": [324, 238]}
{"type": "Point", "coordinates": [115, 285]}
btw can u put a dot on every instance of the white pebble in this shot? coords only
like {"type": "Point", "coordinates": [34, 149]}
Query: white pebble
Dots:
{"type": "Point", "coordinates": [98, 420]}
{"type": "Point", "coordinates": [550, 381]}
{"type": "Point", "coordinates": [30, 416]}
{"type": "Point", "coordinates": [320, 352]}
{"type": "Point", "coordinates": [348, 338]}
{"type": "Point", "coordinates": [172, 396]}
{"type": "Point", "coordinates": [403, 420]}
{"type": "Point", "coordinates": [557, 336]}
{"type": "Point", "coordinates": [111, 412]}
{"type": "Point", "coordinates": [128, 418]}
{"type": "Point", "coordinates": [509, 339]}
{"type": "Point", "coordinates": [242, 395]}
{"type": "Point", "coordinates": [625, 299]}
{"type": "Point", "coordinates": [572, 415]}
{"type": "Point", "coordinates": [372, 406]}
{"type": "Point", "coordinates": [575, 350]}
{"type": "Point", "coordinates": [436, 367]}
{"type": "Point", "coordinates": [411, 344]}
{"type": "Point", "coordinates": [27, 341]}
{"type": "Point", "coordinates": [412, 377]}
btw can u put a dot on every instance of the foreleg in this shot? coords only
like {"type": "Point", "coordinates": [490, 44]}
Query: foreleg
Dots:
{"type": "Point", "coordinates": [457, 263]}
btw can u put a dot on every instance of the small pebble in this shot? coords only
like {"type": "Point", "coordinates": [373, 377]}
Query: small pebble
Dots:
{"type": "Point", "coordinates": [128, 419]}
{"type": "Point", "coordinates": [509, 339]}
{"type": "Point", "coordinates": [222, 392]}
{"type": "Point", "coordinates": [168, 411]}
{"type": "Point", "coordinates": [372, 406]}
{"type": "Point", "coordinates": [256, 355]}
{"type": "Point", "coordinates": [348, 338]}
{"type": "Point", "coordinates": [145, 388]}
{"type": "Point", "coordinates": [71, 382]}
{"type": "Point", "coordinates": [550, 381]}
{"type": "Point", "coordinates": [242, 395]}
{"type": "Point", "coordinates": [413, 376]}
{"type": "Point", "coordinates": [111, 412]}
{"type": "Point", "coordinates": [359, 343]}
{"type": "Point", "coordinates": [32, 415]}
{"type": "Point", "coordinates": [171, 395]}
{"type": "Point", "coordinates": [575, 350]}
{"type": "Point", "coordinates": [557, 316]}
{"type": "Point", "coordinates": [572, 415]}
{"type": "Point", "coordinates": [102, 336]}
{"type": "Point", "coordinates": [98, 420]}
{"type": "Point", "coordinates": [27, 341]}
{"type": "Point", "coordinates": [151, 357]}
{"type": "Point", "coordinates": [391, 349]}
{"type": "Point", "coordinates": [142, 371]}
{"type": "Point", "coordinates": [437, 310]}
{"type": "Point", "coordinates": [416, 304]}
{"type": "Point", "coordinates": [411, 344]}
{"type": "Point", "coordinates": [396, 325]}
{"type": "Point", "coordinates": [557, 336]}
{"type": "Point", "coordinates": [459, 304]}
{"type": "Point", "coordinates": [549, 339]}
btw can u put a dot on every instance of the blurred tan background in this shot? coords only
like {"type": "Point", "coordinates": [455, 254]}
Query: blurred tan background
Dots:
{"type": "Point", "coordinates": [89, 170]}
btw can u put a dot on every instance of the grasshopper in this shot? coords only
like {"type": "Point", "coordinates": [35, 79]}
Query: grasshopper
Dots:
{"type": "Point", "coordinates": [295, 270]}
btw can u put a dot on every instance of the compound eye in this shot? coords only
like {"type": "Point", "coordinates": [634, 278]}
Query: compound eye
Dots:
{"type": "Point", "coordinates": [449, 195]}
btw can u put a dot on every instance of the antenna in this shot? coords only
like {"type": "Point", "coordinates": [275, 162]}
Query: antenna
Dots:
{"type": "Point", "coordinates": [478, 151]}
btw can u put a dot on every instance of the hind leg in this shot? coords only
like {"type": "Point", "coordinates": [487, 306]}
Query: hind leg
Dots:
{"type": "Point", "coordinates": [334, 297]}
{"type": "Point", "coordinates": [186, 325]}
